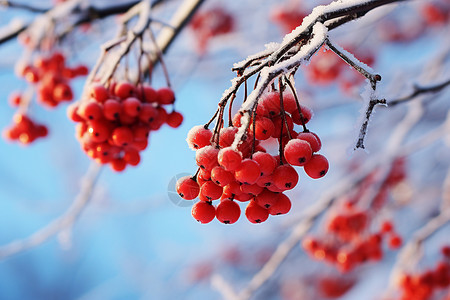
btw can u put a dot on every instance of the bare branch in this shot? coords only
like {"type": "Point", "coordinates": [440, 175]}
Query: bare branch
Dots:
{"type": "Point", "coordinates": [419, 90]}
{"type": "Point", "coordinates": [12, 4]}
{"type": "Point", "coordinates": [365, 124]}
{"type": "Point", "coordinates": [63, 222]}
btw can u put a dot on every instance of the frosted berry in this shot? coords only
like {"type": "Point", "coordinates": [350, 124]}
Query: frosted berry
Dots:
{"type": "Point", "coordinates": [206, 157]}
{"type": "Point", "coordinates": [210, 191]}
{"type": "Point", "coordinates": [317, 166]}
{"type": "Point", "coordinates": [248, 172]}
{"type": "Point", "coordinates": [285, 177]}
{"type": "Point", "coordinates": [312, 139]}
{"type": "Point", "coordinates": [266, 198]}
{"type": "Point", "coordinates": [297, 152]}
{"type": "Point", "coordinates": [229, 158]}
{"type": "Point", "coordinates": [199, 137]}
{"type": "Point", "coordinates": [131, 106]}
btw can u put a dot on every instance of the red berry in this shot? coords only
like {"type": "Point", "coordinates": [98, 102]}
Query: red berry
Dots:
{"type": "Point", "coordinates": [122, 136]}
{"type": "Point", "coordinates": [174, 119]}
{"type": "Point", "coordinates": [264, 128]}
{"type": "Point", "coordinates": [312, 139]}
{"type": "Point", "coordinates": [266, 198]}
{"type": "Point", "coordinates": [148, 113]}
{"type": "Point", "coordinates": [306, 113]}
{"type": "Point", "coordinates": [248, 172]}
{"type": "Point", "coordinates": [99, 93]}
{"type": "Point", "coordinates": [267, 163]}
{"type": "Point", "coordinates": [297, 152]}
{"type": "Point", "coordinates": [132, 156]}
{"type": "Point", "coordinates": [131, 106]}
{"type": "Point", "coordinates": [228, 211]}
{"type": "Point", "coordinates": [281, 206]}
{"type": "Point", "coordinates": [317, 166]}
{"type": "Point", "coordinates": [255, 213]}
{"type": "Point", "coordinates": [165, 96]}
{"type": "Point", "coordinates": [395, 241]}
{"type": "Point", "coordinates": [187, 188]}
{"type": "Point", "coordinates": [124, 90]}
{"type": "Point", "coordinates": [206, 157]}
{"type": "Point", "coordinates": [285, 177]}
{"type": "Point", "coordinates": [98, 131]}
{"type": "Point", "coordinates": [221, 177]}
{"type": "Point", "coordinates": [118, 164]}
{"type": "Point", "coordinates": [199, 137]}
{"type": "Point", "coordinates": [210, 191]}
{"type": "Point", "coordinates": [91, 111]}
{"type": "Point", "coordinates": [204, 212]}
{"type": "Point", "coordinates": [112, 109]}
{"type": "Point", "coordinates": [229, 158]}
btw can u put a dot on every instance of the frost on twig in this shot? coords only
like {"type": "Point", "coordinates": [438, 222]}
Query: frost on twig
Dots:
{"type": "Point", "coordinates": [60, 224]}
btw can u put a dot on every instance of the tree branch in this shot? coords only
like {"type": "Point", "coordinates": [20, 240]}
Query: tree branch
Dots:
{"type": "Point", "coordinates": [59, 224]}
{"type": "Point", "coordinates": [418, 90]}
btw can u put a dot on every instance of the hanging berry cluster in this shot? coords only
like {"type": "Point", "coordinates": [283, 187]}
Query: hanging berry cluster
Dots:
{"type": "Point", "coordinates": [120, 107]}
{"type": "Point", "coordinates": [50, 77]}
{"type": "Point", "coordinates": [114, 122]}
{"type": "Point", "coordinates": [241, 169]}
{"type": "Point", "coordinates": [352, 236]}
{"type": "Point", "coordinates": [428, 284]}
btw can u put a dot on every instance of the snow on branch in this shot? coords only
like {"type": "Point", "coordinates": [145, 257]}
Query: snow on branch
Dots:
{"type": "Point", "coordinates": [60, 224]}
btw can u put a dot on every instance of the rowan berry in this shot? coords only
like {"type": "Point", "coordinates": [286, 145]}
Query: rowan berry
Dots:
{"type": "Point", "coordinates": [281, 206]}
{"type": "Point", "coordinates": [203, 211]}
{"type": "Point", "coordinates": [229, 158]}
{"type": "Point", "coordinates": [228, 211]}
{"type": "Point", "coordinates": [199, 137]}
{"type": "Point", "coordinates": [206, 157]}
{"type": "Point", "coordinates": [317, 166]}
{"type": "Point", "coordinates": [248, 172]}
{"type": "Point", "coordinates": [297, 152]}
{"type": "Point", "coordinates": [187, 188]}
{"type": "Point", "coordinates": [255, 213]}
{"type": "Point", "coordinates": [285, 177]}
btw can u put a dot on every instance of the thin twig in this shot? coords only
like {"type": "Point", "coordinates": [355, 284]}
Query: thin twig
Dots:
{"type": "Point", "coordinates": [63, 222]}
{"type": "Point", "coordinates": [418, 90]}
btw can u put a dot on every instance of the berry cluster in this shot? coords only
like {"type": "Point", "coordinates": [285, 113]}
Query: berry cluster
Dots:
{"type": "Point", "coordinates": [51, 77]}
{"type": "Point", "coordinates": [423, 286]}
{"type": "Point", "coordinates": [209, 24]}
{"type": "Point", "coordinates": [288, 18]}
{"type": "Point", "coordinates": [114, 122]}
{"type": "Point", "coordinates": [247, 173]}
{"type": "Point", "coordinates": [349, 241]}
{"type": "Point", "coordinates": [24, 130]}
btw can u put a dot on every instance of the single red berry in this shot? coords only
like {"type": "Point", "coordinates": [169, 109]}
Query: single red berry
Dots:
{"type": "Point", "coordinates": [307, 114]}
{"type": "Point", "coordinates": [132, 156]}
{"type": "Point", "coordinates": [148, 94]}
{"type": "Point", "coordinates": [281, 206]}
{"type": "Point", "coordinates": [199, 137]}
{"type": "Point", "coordinates": [317, 166]}
{"type": "Point", "coordinates": [62, 92]}
{"type": "Point", "coordinates": [267, 162]}
{"type": "Point", "coordinates": [165, 96]}
{"type": "Point", "coordinates": [312, 139]}
{"type": "Point", "coordinates": [297, 152]}
{"type": "Point", "coordinates": [264, 128]}
{"type": "Point", "coordinates": [112, 109]}
{"type": "Point", "coordinates": [266, 198]}
{"type": "Point", "coordinates": [285, 177]}
{"type": "Point", "coordinates": [148, 113]}
{"type": "Point", "coordinates": [91, 111]}
{"type": "Point", "coordinates": [210, 191]}
{"type": "Point", "coordinates": [248, 172]}
{"type": "Point", "coordinates": [141, 132]}
{"type": "Point", "coordinates": [228, 211]}
{"type": "Point", "coordinates": [122, 136]}
{"type": "Point", "coordinates": [255, 213]}
{"type": "Point", "coordinates": [99, 93]}
{"type": "Point", "coordinates": [98, 131]}
{"type": "Point", "coordinates": [187, 188]}
{"type": "Point", "coordinates": [131, 106]}
{"type": "Point", "coordinates": [206, 157]}
{"type": "Point", "coordinates": [253, 189]}
{"type": "Point", "coordinates": [387, 227]}
{"type": "Point", "coordinates": [220, 176]}
{"type": "Point", "coordinates": [271, 102]}
{"type": "Point", "coordinates": [395, 241]}
{"type": "Point", "coordinates": [174, 119]}
{"type": "Point", "coordinates": [204, 212]}
{"type": "Point", "coordinates": [229, 158]}
{"type": "Point", "coordinates": [118, 164]}
{"type": "Point", "coordinates": [124, 90]}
